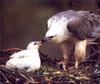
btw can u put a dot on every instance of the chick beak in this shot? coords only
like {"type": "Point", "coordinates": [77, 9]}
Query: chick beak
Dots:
{"type": "Point", "coordinates": [39, 43]}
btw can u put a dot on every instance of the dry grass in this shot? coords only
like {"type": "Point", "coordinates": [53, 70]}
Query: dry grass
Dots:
{"type": "Point", "coordinates": [50, 72]}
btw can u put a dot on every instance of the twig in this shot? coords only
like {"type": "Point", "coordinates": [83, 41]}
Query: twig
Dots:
{"type": "Point", "coordinates": [7, 81]}
{"type": "Point", "coordinates": [30, 80]}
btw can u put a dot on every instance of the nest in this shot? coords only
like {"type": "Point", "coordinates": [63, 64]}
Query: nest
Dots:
{"type": "Point", "coordinates": [50, 72]}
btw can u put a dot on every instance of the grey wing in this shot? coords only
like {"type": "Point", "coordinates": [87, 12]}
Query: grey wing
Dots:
{"type": "Point", "coordinates": [83, 27]}
{"type": "Point", "coordinates": [95, 22]}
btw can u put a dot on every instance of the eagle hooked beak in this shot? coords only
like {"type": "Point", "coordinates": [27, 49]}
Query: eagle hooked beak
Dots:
{"type": "Point", "coordinates": [47, 39]}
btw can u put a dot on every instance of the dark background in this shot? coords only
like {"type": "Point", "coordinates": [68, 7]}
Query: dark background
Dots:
{"type": "Point", "coordinates": [23, 21]}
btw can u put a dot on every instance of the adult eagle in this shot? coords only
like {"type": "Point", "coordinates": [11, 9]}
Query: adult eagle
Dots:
{"type": "Point", "coordinates": [73, 28]}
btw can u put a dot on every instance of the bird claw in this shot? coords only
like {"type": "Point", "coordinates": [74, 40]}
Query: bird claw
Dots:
{"type": "Point", "coordinates": [62, 66]}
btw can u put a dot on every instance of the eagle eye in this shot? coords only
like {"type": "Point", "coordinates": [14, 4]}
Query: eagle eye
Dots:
{"type": "Point", "coordinates": [51, 36]}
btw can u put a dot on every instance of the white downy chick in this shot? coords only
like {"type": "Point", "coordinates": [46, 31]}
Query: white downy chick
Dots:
{"type": "Point", "coordinates": [28, 59]}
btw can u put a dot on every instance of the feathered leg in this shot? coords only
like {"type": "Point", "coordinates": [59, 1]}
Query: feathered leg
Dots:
{"type": "Point", "coordinates": [80, 51]}
{"type": "Point", "coordinates": [66, 49]}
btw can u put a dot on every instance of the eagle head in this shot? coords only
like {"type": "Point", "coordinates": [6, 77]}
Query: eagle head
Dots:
{"type": "Point", "coordinates": [57, 33]}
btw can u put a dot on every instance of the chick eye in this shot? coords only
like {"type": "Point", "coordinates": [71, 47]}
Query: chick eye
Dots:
{"type": "Point", "coordinates": [35, 43]}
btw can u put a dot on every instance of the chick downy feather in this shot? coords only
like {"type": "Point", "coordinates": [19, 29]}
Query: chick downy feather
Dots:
{"type": "Point", "coordinates": [28, 59]}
